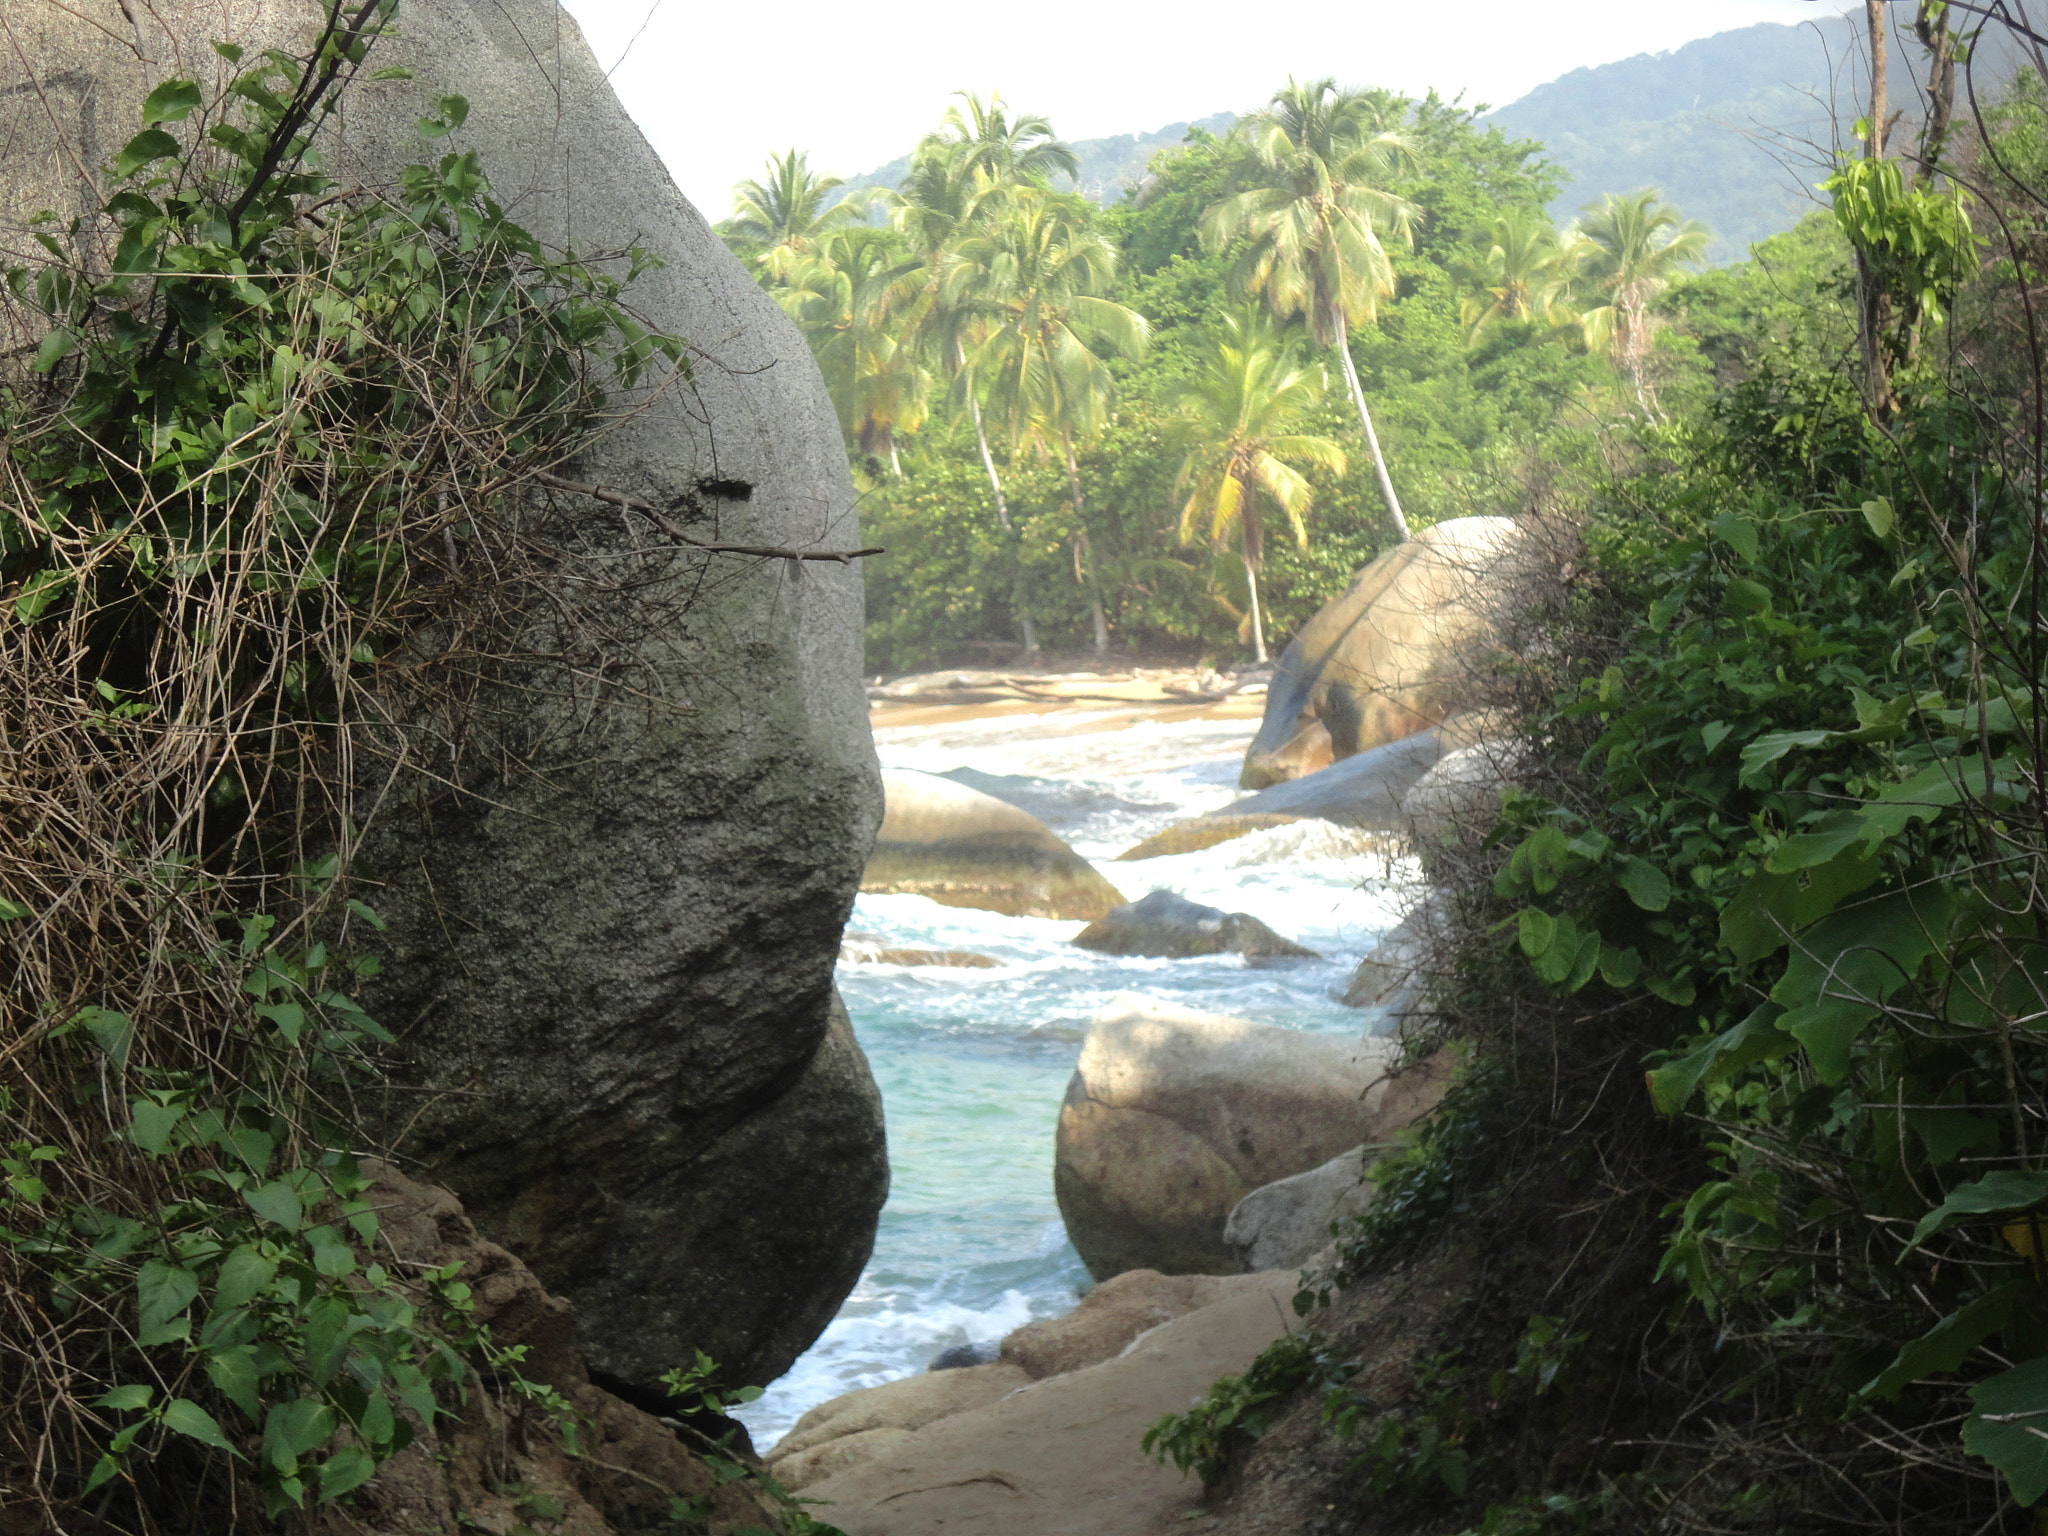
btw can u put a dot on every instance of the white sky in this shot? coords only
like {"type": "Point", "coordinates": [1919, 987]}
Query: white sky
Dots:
{"type": "Point", "coordinates": [718, 87]}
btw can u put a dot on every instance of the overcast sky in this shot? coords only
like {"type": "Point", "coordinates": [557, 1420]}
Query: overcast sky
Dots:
{"type": "Point", "coordinates": [717, 88]}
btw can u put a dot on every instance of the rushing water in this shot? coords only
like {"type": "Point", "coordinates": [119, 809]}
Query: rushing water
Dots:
{"type": "Point", "coordinates": [972, 1062]}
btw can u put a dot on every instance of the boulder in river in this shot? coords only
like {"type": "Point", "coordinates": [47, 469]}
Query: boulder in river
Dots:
{"type": "Point", "coordinates": [1395, 977]}
{"type": "Point", "coordinates": [1173, 1116]}
{"type": "Point", "coordinates": [1166, 925]}
{"type": "Point", "coordinates": [611, 940]}
{"type": "Point", "coordinates": [1199, 832]}
{"type": "Point", "coordinates": [1284, 1224]}
{"type": "Point", "coordinates": [966, 849]}
{"type": "Point", "coordinates": [1395, 654]}
{"type": "Point", "coordinates": [1364, 790]}
{"type": "Point", "coordinates": [1460, 795]}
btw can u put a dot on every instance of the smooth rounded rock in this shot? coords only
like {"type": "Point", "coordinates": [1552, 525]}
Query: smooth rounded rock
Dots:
{"type": "Point", "coordinates": [1395, 654]}
{"type": "Point", "coordinates": [894, 1407]}
{"type": "Point", "coordinates": [1284, 1224]}
{"type": "Point", "coordinates": [1166, 925]}
{"type": "Point", "coordinates": [612, 932]}
{"type": "Point", "coordinates": [1173, 1116]}
{"type": "Point", "coordinates": [1199, 832]}
{"type": "Point", "coordinates": [962, 848]}
{"type": "Point", "coordinates": [1460, 795]}
{"type": "Point", "coordinates": [1110, 1318]}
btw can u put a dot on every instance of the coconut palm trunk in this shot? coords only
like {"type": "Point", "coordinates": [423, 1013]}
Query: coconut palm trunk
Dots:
{"type": "Point", "coordinates": [1084, 557]}
{"type": "Point", "coordinates": [1251, 577]}
{"type": "Point", "coordinates": [1020, 592]}
{"type": "Point", "coordinates": [1372, 438]}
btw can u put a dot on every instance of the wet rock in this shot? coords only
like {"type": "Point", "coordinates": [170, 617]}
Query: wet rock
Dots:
{"type": "Point", "coordinates": [965, 849]}
{"type": "Point", "coordinates": [1284, 1224]}
{"type": "Point", "coordinates": [961, 1356]}
{"type": "Point", "coordinates": [1173, 1116]}
{"type": "Point", "coordinates": [1110, 1318]}
{"type": "Point", "coordinates": [865, 1422]}
{"type": "Point", "coordinates": [873, 954]}
{"type": "Point", "coordinates": [1165, 925]}
{"type": "Point", "coordinates": [1366, 789]}
{"type": "Point", "coordinates": [1395, 977]}
{"type": "Point", "coordinates": [1395, 654]}
{"type": "Point", "coordinates": [1460, 795]}
{"type": "Point", "coordinates": [1199, 832]}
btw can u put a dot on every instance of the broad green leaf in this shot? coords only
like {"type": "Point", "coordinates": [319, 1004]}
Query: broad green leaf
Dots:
{"type": "Point", "coordinates": [1663, 610]}
{"type": "Point", "coordinates": [1946, 1345]}
{"type": "Point", "coordinates": [1739, 533]}
{"type": "Point", "coordinates": [235, 1375]}
{"type": "Point", "coordinates": [1771, 908]}
{"type": "Point", "coordinates": [1765, 750]}
{"type": "Point", "coordinates": [114, 1032]}
{"type": "Point", "coordinates": [290, 1019]}
{"type": "Point", "coordinates": [1647, 885]}
{"type": "Point", "coordinates": [1619, 968]}
{"type": "Point", "coordinates": [102, 1470]}
{"type": "Point", "coordinates": [1681, 993]}
{"type": "Point", "coordinates": [1878, 514]}
{"type": "Point", "coordinates": [150, 144]}
{"type": "Point", "coordinates": [57, 344]}
{"type": "Point", "coordinates": [1756, 1038]}
{"type": "Point", "coordinates": [1536, 930]}
{"type": "Point", "coordinates": [332, 1255]}
{"type": "Point", "coordinates": [326, 1335]}
{"type": "Point", "coordinates": [348, 1468]}
{"type": "Point", "coordinates": [2010, 1428]}
{"type": "Point", "coordinates": [1561, 956]}
{"type": "Point", "coordinates": [1745, 597]}
{"type": "Point", "coordinates": [171, 102]}
{"type": "Point", "coordinates": [1830, 836]}
{"type": "Point", "coordinates": [188, 1418]}
{"type": "Point", "coordinates": [150, 1124]}
{"type": "Point", "coordinates": [162, 1292]}
{"type": "Point", "coordinates": [12, 911]}
{"type": "Point", "coordinates": [1844, 967]}
{"type": "Point", "coordinates": [133, 1395]}
{"type": "Point", "coordinates": [243, 1273]}
{"type": "Point", "coordinates": [276, 1202]}
{"type": "Point", "coordinates": [1949, 1133]}
{"type": "Point", "coordinates": [39, 592]}
{"type": "Point", "coordinates": [291, 1430]}
{"type": "Point", "coordinates": [2006, 1189]}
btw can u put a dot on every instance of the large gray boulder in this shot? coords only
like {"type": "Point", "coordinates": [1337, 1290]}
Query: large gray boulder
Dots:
{"type": "Point", "coordinates": [1173, 1116]}
{"type": "Point", "coordinates": [1166, 925]}
{"type": "Point", "coordinates": [1284, 1224]}
{"type": "Point", "coordinates": [610, 964]}
{"type": "Point", "coordinates": [1396, 653]}
{"type": "Point", "coordinates": [962, 848]}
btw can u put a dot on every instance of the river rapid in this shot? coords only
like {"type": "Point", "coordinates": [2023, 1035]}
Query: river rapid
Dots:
{"type": "Point", "coordinates": [972, 1063]}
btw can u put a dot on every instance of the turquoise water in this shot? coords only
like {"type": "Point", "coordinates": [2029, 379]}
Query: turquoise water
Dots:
{"type": "Point", "coordinates": [972, 1063]}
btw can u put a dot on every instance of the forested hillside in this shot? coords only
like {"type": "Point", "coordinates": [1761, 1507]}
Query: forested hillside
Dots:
{"type": "Point", "coordinates": [1136, 431]}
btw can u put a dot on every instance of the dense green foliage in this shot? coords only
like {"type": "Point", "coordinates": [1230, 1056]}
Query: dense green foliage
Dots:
{"type": "Point", "coordinates": [1755, 962]}
{"type": "Point", "coordinates": [1026, 498]}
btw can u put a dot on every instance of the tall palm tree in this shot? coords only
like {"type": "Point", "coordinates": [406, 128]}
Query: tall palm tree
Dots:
{"type": "Point", "coordinates": [1240, 408]}
{"type": "Point", "coordinates": [960, 177]}
{"type": "Point", "coordinates": [1524, 278]}
{"type": "Point", "coordinates": [782, 217]}
{"type": "Point", "coordinates": [844, 299]}
{"type": "Point", "coordinates": [1314, 221]}
{"type": "Point", "coordinates": [1633, 247]}
{"type": "Point", "coordinates": [1029, 287]}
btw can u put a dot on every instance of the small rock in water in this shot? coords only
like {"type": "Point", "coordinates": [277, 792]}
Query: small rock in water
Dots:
{"type": "Point", "coordinates": [1165, 925]}
{"type": "Point", "coordinates": [961, 1356]}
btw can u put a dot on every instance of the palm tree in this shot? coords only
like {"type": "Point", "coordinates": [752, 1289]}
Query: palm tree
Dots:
{"type": "Point", "coordinates": [844, 298]}
{"type": "Point", "coordinates": [782, 217]}
{"type": "Point", "coordinates": [1029, 288]}
{"type": "Point", "coordinates": [1239, 408]}
{"type": "Point", "coordinates": [1525, 277]}
{"type": "Point", "coordinates": [1633, 246]}
{"type": "Point", "coordinates": [1314, 223]}
{"type": "Point", "coordinates": [961, 177]}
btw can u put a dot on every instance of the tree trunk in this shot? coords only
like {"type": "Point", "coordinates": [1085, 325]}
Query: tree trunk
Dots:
{"type": "Point", "coordinates": [1084, 557]}
{"type": "Point", "coordinates": [1251, 578]}
{"type": "Point", "coordinates": [1372, 438]}
{"type": "Point", "coordinates": [1020, 595]}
